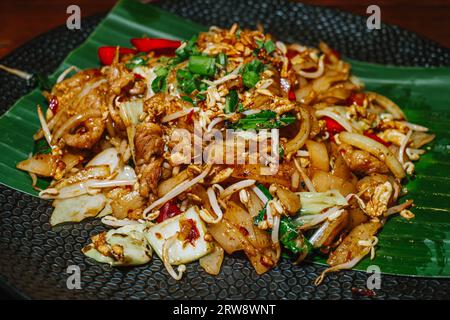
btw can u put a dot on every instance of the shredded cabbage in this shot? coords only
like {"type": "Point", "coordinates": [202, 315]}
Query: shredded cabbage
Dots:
{"type": "Point", "coordinates": [315, 202]}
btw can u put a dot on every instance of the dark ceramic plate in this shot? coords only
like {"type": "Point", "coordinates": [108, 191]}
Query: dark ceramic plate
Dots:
{"type": "Point", "coordinates": [34, 258]}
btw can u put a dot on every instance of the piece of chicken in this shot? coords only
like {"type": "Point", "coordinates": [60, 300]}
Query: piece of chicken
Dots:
{"type": "Point", "coordinates": [361, 162]}
{"type": "Point", "coordinates": [149, 146]}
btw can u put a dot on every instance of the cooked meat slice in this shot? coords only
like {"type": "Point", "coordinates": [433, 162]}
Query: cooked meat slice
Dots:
{"type": "Point", "coordinates": [149, 146]}
{"type": "Point", "coordinates": [162, 103]}
{"type": "Point", "coordinates": [148, 142]}
{"type": "Point", "coordinates": [149, 175]}
{"type": "Point", "coordinates": [360, 161]}
{"type": "Point", "coordinates": [368, 184]}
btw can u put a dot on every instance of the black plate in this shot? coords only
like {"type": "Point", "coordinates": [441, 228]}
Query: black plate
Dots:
{"type": "Point", "coordinates": [34, 257]}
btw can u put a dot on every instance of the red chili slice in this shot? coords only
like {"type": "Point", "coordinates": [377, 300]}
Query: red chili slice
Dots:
{"type": "Point", "coordinates": [167, 211]}
{"type": "Point", "coordinates": [333, 126]}
{"type": "Point", "coordinates": [152, 44]}
{"type": "Point", "coordinates": [291, 53]}
{"type": "Point", "coordinates": [356, 98]}
{"type": "Point", "coordinates": [190, 117]}
{"type": "Point", "coordinates": [53, 104]}
{"type": "Point", "coordinates": [336, 53]}
{"type": "Point", "coordinates": [106, 54]}
{"type": "Point", "coordinates": [291, 94]}
{"type": "Point", "coordinates": [194, 234]}
{"type": "Point", "coordinates": [376, 138]}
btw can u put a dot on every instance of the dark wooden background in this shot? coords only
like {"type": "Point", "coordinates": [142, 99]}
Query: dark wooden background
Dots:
{"type": "Point", "coordinates": [21, 20]}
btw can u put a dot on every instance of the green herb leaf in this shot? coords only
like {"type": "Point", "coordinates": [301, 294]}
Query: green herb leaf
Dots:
{"type": "Point", "coordinates": [291, 238]}
{"type": "Point", "coordinates": [269, 46]}
{"type": "Point", "coordinates": [231, 102]}
{"type": "Point", "coordinates": [250, 73]}
{"type": "Point", "coordinates": [265, 119]}
{"type": "Point", "coordinates": [184, 52]}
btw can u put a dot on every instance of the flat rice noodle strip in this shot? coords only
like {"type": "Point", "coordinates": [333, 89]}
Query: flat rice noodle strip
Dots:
{"type": "Point", "coordinates": [231, 239]}
{"type": "Point", "coordinates": [243, 221]}
{"type": "Point", "coordinates": [165, 186]}
{"type": "Point", "coordinates": [318, 154]}
{"type": "Point", "coordinates": [350, 247]}
{"type": "Point", "coordinates": [40, 164]}
{"type": "Point", "coordinates": [303, 133]}
{"type": "Point", "coordinates": [324, 181]}
{"type": "Point", "coordinates": [331, 230]}
{"type": "Point", "coordinates": [212, 262]}
{"type": "Point", "coordinates": [253, 171]}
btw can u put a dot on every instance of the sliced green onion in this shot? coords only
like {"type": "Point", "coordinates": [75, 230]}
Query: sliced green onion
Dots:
{"type": "Point", "coordinates": [202, 65]}
{"type": "Point", "coordinates": [222, 59]}
{"type": "Point", "coordinates": [159, 84]}
{"type": "Point", "coordinates": [187, 81]}
{"type": "Point", "coordinates": [269, 46]}
{"type": "Point", "coordinates": [187, 99]}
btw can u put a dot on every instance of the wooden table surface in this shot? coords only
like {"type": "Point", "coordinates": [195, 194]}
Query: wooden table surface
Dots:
{"type": "Point", "coordinates": [21, 20]}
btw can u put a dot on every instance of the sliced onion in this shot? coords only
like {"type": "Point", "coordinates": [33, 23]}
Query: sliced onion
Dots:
{"type": "Point", "coordinates": [236, 187]}
{"type": "Point", "coordinates": [303, 133]}
{"type": "Point", "coordinates": [314, 74]}
{"type": "Point", "coordinates": [375, 148]}
{"type": "Point", "coordinates": [305, 177]}
{"type": "Point", "coordinates": [213, 123]}
{"type": "Point", "coordinates": [75, 120]}
{"type": "Point", "coordinates": [416, 127]}
{"type": "Point", "coordinates": [388, 104]}
{"type": "Point", "coordinates": [341, 120]}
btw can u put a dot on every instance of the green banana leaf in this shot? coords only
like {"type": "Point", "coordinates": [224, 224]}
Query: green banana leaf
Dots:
{"type": "Point", "coordinates": [416, 247]}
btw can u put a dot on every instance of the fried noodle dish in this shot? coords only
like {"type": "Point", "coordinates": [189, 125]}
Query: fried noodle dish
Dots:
{"type": "Point", "coordinates": [120, 143]}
